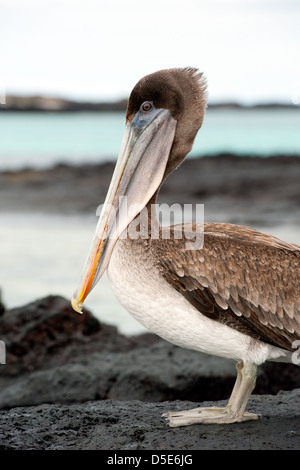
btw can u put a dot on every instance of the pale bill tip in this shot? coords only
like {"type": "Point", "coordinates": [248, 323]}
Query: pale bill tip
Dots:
{"type": "Point", "coordinates": [77, 306]}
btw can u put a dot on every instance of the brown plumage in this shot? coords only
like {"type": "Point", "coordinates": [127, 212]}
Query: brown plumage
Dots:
{"type": "Point", "coordinates": [183, 93]}
{"type": "Point", "coordinates": [241, 277]}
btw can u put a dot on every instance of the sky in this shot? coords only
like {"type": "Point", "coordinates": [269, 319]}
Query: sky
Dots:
{"type": "Point", "coordinates": [97, 50]}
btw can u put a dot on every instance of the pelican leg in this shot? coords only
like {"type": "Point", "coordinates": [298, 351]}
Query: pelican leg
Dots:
{"type": "Point", "coordinates": [233, 412]}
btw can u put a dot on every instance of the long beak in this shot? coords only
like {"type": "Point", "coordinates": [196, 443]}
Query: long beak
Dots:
{"type": "Point", "coordinates": [138, 174]}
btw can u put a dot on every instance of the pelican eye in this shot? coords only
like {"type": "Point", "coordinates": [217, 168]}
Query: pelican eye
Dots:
{"type": "Point", "coordinates": [147, 106]}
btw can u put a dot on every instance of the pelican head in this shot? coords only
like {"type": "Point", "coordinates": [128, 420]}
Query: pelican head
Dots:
{"type": "Point", "coordinates": [164, 113]}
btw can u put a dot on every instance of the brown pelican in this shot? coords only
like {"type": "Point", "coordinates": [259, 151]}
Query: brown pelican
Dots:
{"type": "Point", "coordinates": [237, 296]}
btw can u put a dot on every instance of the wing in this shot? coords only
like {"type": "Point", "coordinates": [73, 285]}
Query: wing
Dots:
{"type": "Point", "coordinates": [241, 277]}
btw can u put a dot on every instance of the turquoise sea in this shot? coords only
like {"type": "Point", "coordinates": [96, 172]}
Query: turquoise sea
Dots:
{"type": "Point", "coordinates": [42, 139]}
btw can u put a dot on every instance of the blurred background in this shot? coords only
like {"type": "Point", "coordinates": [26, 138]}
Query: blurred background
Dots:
{"type": "Point", "coordinates": [67, 69]}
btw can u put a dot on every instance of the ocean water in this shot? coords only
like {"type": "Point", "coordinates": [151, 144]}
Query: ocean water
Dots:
{"type": "Point", "coordinates": [42, 255]}
{"type": "Point", "coordinates": [43, 139]}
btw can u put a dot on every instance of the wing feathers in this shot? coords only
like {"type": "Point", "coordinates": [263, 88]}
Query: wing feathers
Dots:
{"type": "Point", "coordinates": [241, 277]}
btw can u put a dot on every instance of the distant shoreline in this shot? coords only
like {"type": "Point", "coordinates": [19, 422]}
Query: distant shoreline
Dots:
{"type": "Point", "coordinates": [252, 191]}
{"type": "Point", "coordinates": [50, 105]}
